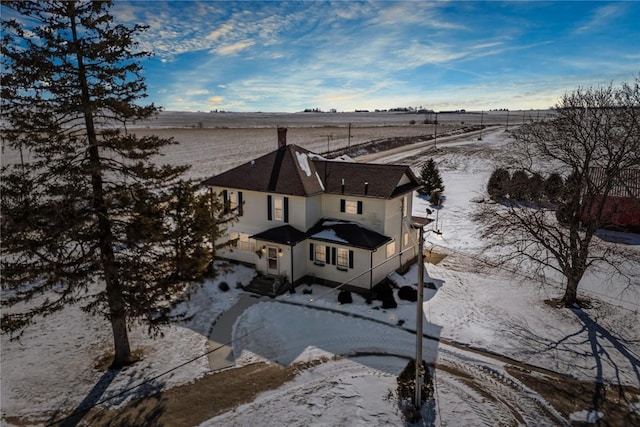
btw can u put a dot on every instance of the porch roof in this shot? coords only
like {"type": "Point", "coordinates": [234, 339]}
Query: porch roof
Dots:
{"type": "Point", "coordinates": [347, 233]}
{"type": "Point", "coordinates": [285, 235]}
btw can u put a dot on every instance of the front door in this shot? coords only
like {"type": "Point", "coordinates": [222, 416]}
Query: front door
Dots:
{"type": "Point", "coordinates": [272, 261]}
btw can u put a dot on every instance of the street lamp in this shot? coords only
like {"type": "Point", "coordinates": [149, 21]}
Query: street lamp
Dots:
{"type": "Point", "coordinates": [419, 316]}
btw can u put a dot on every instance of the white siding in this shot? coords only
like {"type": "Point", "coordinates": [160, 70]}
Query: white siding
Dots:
{"type": "Point", "coordinates": [372, 210]}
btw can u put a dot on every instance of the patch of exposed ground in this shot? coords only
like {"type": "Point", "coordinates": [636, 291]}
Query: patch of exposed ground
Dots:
{"type": "Point", "coordinates": [194, 403]}
{"type": "Point", "coordinates": [569, 396]}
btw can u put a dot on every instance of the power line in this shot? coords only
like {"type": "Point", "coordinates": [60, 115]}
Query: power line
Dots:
{"type": "Point", "coordinates": [192, 360]}
{"type": "Point", "coordinates": [311, 299]}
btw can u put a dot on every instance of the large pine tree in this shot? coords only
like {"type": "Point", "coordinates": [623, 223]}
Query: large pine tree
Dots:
{"type": "Point", "coordinates": [86, 203]}
{"type": "Point", "coordinates": [430, 178]}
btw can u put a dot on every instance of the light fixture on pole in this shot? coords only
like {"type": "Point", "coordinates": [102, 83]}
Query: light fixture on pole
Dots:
{"type": "Point", "coordinates": [419, 315]}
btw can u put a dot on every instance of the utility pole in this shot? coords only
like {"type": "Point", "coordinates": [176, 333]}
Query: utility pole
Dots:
{"type": "Point", "coordinates": [435, 134]}
{"type": "Point", "coordinates": [481, 125]}
{"type": "Point", "coordinates": [349, 141]}
{"type": "Point", "coordinates": [507, 121]}
{"type": "Point", "coordinates": [419, 316]}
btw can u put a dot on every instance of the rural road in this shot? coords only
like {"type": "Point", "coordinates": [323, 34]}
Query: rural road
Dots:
{"type": "Point", "coordinates": [412, 149]}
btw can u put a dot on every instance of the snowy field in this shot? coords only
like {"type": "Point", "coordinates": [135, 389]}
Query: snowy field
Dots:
{"type": "Point", "coordinates": [480, 321]}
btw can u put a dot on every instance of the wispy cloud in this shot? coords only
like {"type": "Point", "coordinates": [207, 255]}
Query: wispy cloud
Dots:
{"type": "Point", "coordinates": [234, 48]}
{"type": "Point", "coordinates": [289, 56]}
{"type": "Point", "coordinates": [601, 17]}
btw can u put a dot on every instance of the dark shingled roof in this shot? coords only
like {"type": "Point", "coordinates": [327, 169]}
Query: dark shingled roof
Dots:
{"type": "Point", "coordinates": [277, 172]}
{"type": "Point", "coordinates": [347, 233]}
{"type": "Point", "coordinates": [285, 234]}
{"type": "Point", "coordinates": [295, 171]}
{"type": "Point", "coordinates": [382, 180]}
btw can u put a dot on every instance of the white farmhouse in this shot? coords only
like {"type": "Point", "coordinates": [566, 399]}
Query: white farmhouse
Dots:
{"type": "Point", "coordinates": [302, 218]}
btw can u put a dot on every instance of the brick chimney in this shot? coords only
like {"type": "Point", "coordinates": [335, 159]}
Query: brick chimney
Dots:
{"type": "Point", "coordinates": [282, 137]}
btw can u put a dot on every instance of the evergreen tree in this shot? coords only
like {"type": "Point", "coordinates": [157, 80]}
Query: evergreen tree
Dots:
{"type": "Point", "coordinates": [499, 182]}
{"type": "Point", "coordinates": [519, 186]}
{"type": "Point", "coordinates": [430, 178]}
{"type": "Point", "coordinates": [86, 203]}
{"type": "Point", "coordinates": [536, 187]}
{"type": "Point", "coordinates": [554, 187]}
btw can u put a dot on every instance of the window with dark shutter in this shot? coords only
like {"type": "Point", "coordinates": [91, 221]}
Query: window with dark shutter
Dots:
{"type": "Point", "coordinates": [240, 207]}
{"type": "Point", "coordinates": [269, 213]}
{"type": "Point", "coordinates": [359, 207]}
{"type": "Point", "coordinates": [311, 252]}
{"type": "Point", "coordinates": [342, 205]}
{"type": "Point", "coordinates": [286, 209]}
{"type": "Point", "coordinates": [350, 259]}
{"type": "Point", "coordinates": [225, 200]}
{"type": "Point", "coordinates": [333, 256]}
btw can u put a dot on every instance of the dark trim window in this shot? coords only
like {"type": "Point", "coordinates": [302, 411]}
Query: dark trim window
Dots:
{"type": "Point", "coordinates": [351, 206]}
{"type": "Point", "coordinates": [321, 255]}
{"type": "Point", "coordinates": [278, 208]}
{"type": "Point", "coordinates": [232, 201]}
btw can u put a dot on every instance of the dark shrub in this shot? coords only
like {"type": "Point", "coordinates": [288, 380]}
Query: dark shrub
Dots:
{"type": "Point", "coordinates": [383, 292]}
{"type": "Point", "coordinates": [553, 187]}
{"type": "Point", "coordinates": [536, 187]}
{"type": "Point", "coordinates": [563, 214]}
{"type": "Point", "coordinates": [223, 286]}
{"type": "Point", "coordinates": [307, 291]}
{"type": "Point", "coordinates": [389, 301]}
{"type": "Point", "coordinates": [344, 297]}
{"type": "Point", "coordinates": [519, 186]}
{"type": "Point", "coordinates": [498, 183]}
{"type": "Point", "coordinates": [408, 293]}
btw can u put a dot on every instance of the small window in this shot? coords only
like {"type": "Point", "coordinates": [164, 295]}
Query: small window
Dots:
{"type": "Point", "coordinates": [351, 207]}
{"type": "Point", "coordinates": [405, 206]}
{"type": "Point", "coordinates": [320, 253]}
{"type": "Point", "coordinates": [343, 258]}
{"type": "Point", "coordinates": [405, 239]}
{"type": "Point", "coordinates": [233, 238]}
{"type": "Point", "coordinates": [391, 249]}
{"type": "Point", "coordinates": [244, 242]}
{"type": "Point", "coordinates": [233, 200]}
{"type": "Point", "coordinates": [278, 209]}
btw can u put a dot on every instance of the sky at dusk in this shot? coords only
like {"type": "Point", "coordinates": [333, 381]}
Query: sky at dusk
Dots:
{"type": "Point", "coordinates": [288, 56]}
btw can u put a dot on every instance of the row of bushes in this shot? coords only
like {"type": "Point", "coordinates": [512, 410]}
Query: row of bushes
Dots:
{"type": "Point", "coordinates": [525, 187]}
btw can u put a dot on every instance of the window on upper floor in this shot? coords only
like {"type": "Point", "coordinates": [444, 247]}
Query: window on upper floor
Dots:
{"type": "Point", "coordinates": [405, 206]}
{"type": "Point", "coordinates": [233, 201]}
{"type": "Point", "coordinates": [277, 208]}
{"type": "Point", "coordinates": [351, 206]}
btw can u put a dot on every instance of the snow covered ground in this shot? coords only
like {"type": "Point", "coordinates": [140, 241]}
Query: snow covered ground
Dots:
{"type": "Point", "coordinates": [51, 369]}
